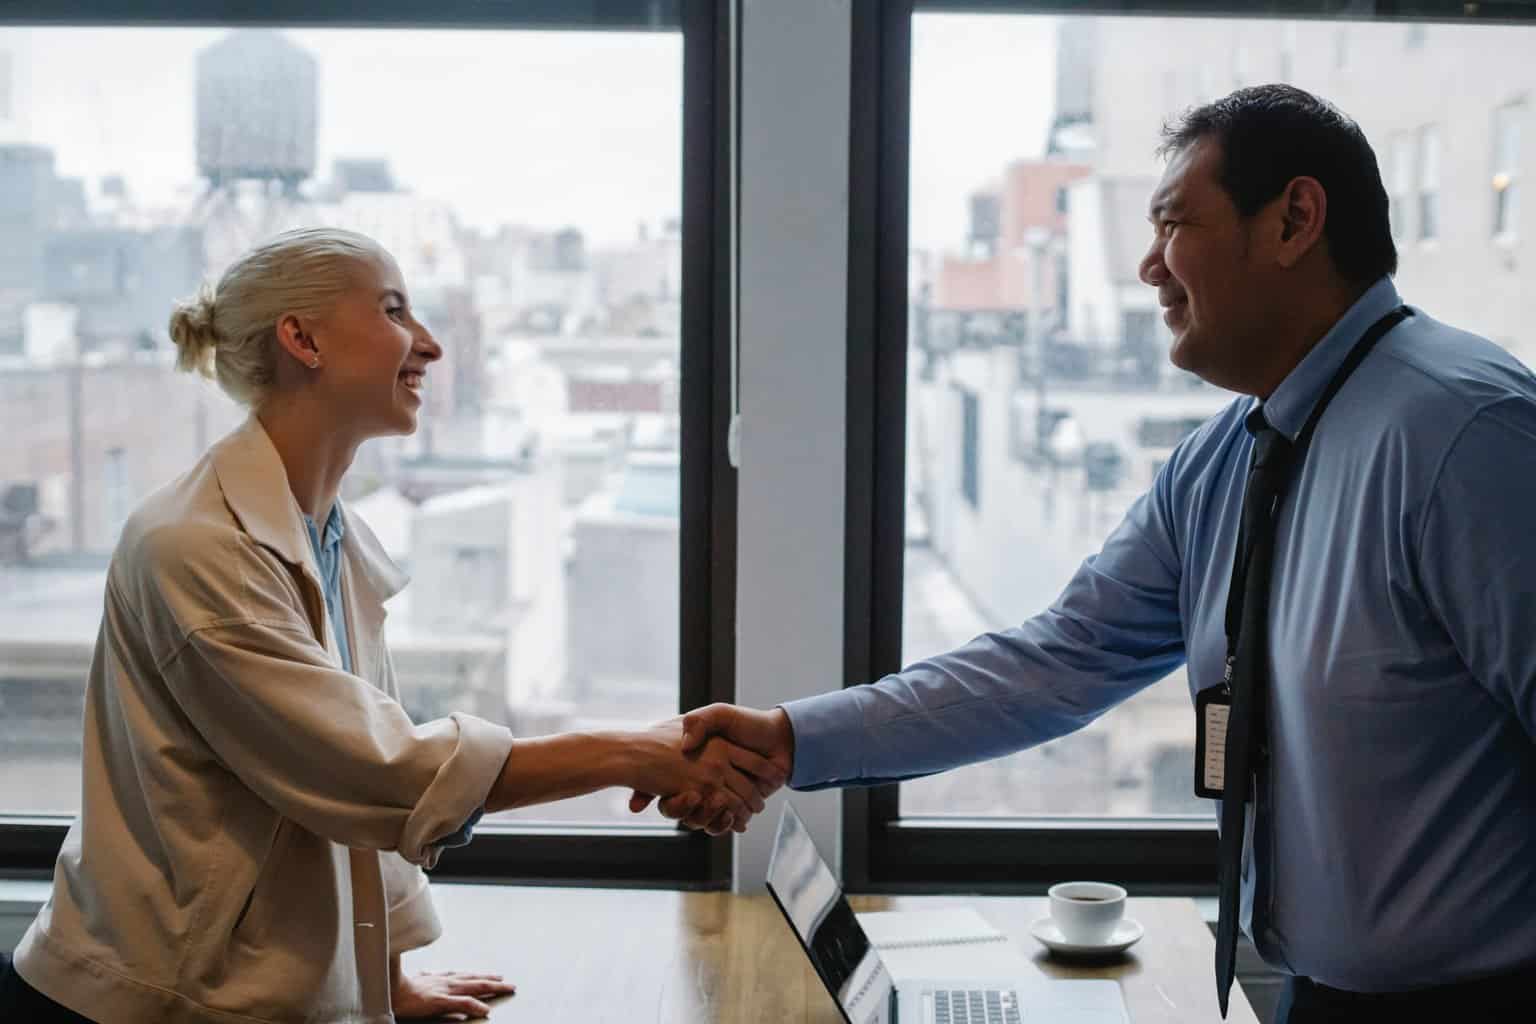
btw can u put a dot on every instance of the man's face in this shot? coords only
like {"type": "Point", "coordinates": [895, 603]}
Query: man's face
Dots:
{"type": "Point", "coordinates": [1202, 266]}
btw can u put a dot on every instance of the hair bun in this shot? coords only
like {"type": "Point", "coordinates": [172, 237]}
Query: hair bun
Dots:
{"type": "Point", "coordinates": [194, 334]}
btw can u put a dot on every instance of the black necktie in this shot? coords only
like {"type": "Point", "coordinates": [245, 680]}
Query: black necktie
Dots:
{"type": "Point", "coordinates": [1267, 476]}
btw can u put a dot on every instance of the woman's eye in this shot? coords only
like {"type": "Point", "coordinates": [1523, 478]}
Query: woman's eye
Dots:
{"type": "Point", "coordinates": [396, 311]}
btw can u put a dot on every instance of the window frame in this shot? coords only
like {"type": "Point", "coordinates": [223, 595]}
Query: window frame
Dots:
{"type": "Point", "coordinates": [560, 854]}
{"type": "Point", "coordinates": [882, 852]}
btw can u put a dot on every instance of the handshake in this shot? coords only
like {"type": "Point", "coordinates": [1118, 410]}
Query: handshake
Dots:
{"type": "Point", "coordinates": [732, 759]}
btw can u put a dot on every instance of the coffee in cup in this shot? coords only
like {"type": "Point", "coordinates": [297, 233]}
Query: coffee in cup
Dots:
{"type": "Point", "coordinates": [1086, 912]}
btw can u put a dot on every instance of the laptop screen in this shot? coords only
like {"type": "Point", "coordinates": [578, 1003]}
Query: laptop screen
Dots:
{"type": "Point", "coordinates": [809, 896]}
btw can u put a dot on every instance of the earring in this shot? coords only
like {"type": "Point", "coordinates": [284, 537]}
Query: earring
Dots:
{"type": "Point", "coordinates": [314, 362]}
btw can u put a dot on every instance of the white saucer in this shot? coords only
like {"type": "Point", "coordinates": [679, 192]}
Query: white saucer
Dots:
{"type": "Point", "coordinates": [1126, 934]}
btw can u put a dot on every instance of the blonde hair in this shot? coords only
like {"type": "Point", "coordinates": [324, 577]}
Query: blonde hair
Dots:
{"type": "Point", "coordinates": [228, 332]}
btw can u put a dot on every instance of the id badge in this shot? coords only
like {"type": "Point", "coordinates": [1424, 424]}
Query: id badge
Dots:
{"type": "Point", "coordinates": [1213, 705]}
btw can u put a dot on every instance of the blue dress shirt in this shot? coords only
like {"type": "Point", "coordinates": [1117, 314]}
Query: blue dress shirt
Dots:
{"type": "Point", "coordinates": [1394, 846]}
{"type": "Point", "coordinates": [327, 550]}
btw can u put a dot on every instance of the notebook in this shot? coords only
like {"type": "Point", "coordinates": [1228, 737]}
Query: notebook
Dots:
{"type": "Point", "coordinates": [954, 942]}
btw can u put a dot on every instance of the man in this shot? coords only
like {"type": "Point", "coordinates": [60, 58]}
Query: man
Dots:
{"type": "Point", "coordinates": [1388, 856]}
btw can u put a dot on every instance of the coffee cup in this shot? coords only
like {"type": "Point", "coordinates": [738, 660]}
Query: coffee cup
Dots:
{"type": "Point", "coordinates": [1086, 912]}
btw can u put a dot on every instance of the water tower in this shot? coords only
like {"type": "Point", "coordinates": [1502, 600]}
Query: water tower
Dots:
{"type": "Point", "coordinates": [257, 100]}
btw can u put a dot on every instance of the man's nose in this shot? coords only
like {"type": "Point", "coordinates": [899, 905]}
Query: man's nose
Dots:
{"type": "Point", "coordinates": [1153, 271]}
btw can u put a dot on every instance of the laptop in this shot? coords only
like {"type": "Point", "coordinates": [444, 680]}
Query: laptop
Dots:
{"type": "Point", "coordinates": [808, 896]}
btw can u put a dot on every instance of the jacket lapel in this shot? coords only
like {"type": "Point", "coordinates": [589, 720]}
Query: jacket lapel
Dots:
{"type": "Point", "coordinates": [370, 578]}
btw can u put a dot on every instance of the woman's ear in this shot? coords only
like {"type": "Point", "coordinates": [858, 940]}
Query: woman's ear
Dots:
{"type": "Point", "coordinates": [297, 342]}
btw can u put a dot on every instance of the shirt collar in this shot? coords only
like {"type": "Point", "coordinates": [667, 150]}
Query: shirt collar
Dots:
{"type": "Point", "coordinates": [1291, 403]}
{"type": "Point", "coordinates": [335, 528]}
{"type": "Point", "coordinates": [255, 486]}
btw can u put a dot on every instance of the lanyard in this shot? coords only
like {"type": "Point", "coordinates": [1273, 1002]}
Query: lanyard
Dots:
{"type": "Point", "coordinates": [1244, 551]}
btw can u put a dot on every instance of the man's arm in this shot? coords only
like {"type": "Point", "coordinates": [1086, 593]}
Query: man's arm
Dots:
{"type": "Point", "coordinates": [1476, 553]}
{"type": "Point", "coordinates": [1114, 630]}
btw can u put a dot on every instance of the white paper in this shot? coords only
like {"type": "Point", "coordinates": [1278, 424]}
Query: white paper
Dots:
{"type": "Point", "coordinates": [946, 942]}
{"type": "Point", "coordinates": [893, 929]}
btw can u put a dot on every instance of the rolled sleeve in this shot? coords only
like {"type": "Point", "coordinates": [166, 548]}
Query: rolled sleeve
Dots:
{"type": "Point", "coordinates": [458, 789]}
{"type": "Point", "coordinates": [329, 750]}
{"type": "Point", "coordinates": [321, 746]}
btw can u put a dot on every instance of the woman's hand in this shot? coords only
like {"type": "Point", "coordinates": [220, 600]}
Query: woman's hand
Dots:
{"type": "Point", "coordinates": [721, 775]}
{"type": "Point", "coordinates": [450, 993]}
{"type": "Point", "coordinates": [769, 733]}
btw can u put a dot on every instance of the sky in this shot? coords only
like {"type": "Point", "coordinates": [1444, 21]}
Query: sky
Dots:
{"type": "Point", "coordinates": [538, 128]}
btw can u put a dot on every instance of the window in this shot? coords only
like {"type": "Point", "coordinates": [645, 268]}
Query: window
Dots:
{"type": "Point", "coordinates": [970, 444]}
{"type": "Point", "coordinates": [561, 253]}
{"type": "Point", "coordinates": [1506, 169]}
{"type": "Point", "coordinates": [1429, 183]}
{"type": "Point", "coordinates": [116, 494]}
{"type": "Point", "coordinates": [1117, 794]}
{"type": "Point", "coordinates": [1400, 185]}
{"type": "Point", "coordinates": [6, 87]}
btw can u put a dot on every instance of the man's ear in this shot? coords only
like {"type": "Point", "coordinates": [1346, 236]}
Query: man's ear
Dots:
{"type": "Point", "coordinates": [1303, 214]}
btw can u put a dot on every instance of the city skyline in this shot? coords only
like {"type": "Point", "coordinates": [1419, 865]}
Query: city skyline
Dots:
{"type": "Point", "coordinates": [95, 131]}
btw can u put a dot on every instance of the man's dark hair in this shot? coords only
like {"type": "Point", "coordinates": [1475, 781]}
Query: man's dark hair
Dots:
{"type": "Point", "coordinates": [1271, 134]}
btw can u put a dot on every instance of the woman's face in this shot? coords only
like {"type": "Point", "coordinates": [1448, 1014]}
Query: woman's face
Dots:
{"type": "Point", "coordinates": [375, 353]}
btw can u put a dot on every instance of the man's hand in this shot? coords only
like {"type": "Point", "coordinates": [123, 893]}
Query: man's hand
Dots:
{"type": "Point", "coordinates": [767, 732]}
{"type": "Point", "coordinates": [432, 995]}
{"type": "Point", "coordinates": [727, 778]}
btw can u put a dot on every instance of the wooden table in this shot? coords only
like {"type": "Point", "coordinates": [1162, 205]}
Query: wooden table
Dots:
{"type": "Point", "coordinates": [582, 956]}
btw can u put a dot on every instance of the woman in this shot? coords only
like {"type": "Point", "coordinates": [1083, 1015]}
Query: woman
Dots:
{"type": "Point", "coordinates": [256, 806]}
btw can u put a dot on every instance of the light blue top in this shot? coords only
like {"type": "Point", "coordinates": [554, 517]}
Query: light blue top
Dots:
{"type": "Point", "coordinates": [327, 550]}
{"type": "Point", "coordinates": [328, 556]}
{"type": "Point", "coordinates": [1395, 845]}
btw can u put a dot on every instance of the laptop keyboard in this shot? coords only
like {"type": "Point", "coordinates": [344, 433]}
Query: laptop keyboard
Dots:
{"type": "Point", "coordinates": [978, 1006]}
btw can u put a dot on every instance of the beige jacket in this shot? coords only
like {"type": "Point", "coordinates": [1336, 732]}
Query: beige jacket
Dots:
{"type": "Point", "coordinates": [252, 816]}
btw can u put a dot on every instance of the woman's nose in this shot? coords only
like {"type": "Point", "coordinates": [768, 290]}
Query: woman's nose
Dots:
{"type": "Point", "coordinates": [428, 346]}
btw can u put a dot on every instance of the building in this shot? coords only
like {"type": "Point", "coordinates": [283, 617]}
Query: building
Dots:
{"type": "Point", "coordinates": [624, 580]}
{"type": "Point", "coordinates": [490, 548]}
{"type": "Point", "coordinates": [1013, 259]}
{"type": "Point", "coordinates": [639, 283]}
{"type": "Point", "coordinates": [532, 283]}
{"type": "Point", "coordinates": [123, 282]}
{"type": "Point", "coordinates": [1447, 134]}
{"type": "Point", "coordinates": [28, 196]}
{"type": "Point", "coordinates": [101, 433]}
{"type": "Point", "coordinates": [1109, 310]}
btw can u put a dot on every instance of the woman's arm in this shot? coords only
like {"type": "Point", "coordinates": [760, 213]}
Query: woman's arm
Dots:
{"type": "Point", "coordinates": [546, 768]}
